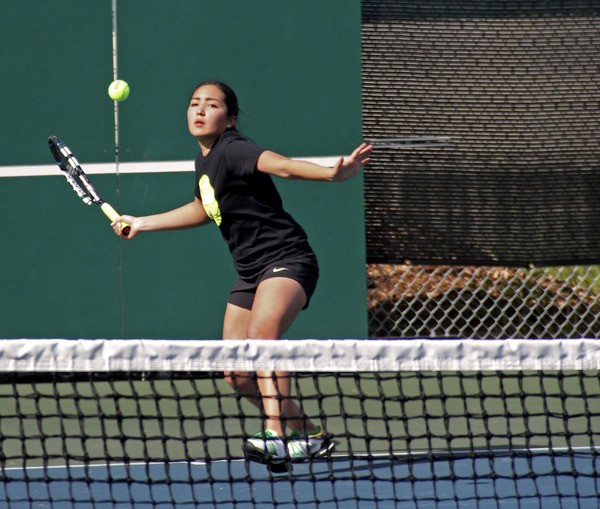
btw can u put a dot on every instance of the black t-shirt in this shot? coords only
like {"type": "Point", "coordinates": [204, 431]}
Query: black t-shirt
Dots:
{"type": "Point", "coordinates": [245, 204]}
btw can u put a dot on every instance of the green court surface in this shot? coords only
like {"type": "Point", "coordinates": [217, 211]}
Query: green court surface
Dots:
{"type": "Point", "coordinates": [202, 419]}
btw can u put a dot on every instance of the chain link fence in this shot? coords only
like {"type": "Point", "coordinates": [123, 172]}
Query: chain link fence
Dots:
{"type": "Point", "coordinates": [483, 302]}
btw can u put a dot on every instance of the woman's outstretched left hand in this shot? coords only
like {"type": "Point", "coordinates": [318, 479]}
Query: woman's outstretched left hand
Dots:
{"type": "Point", "coordinates": [346, 168]}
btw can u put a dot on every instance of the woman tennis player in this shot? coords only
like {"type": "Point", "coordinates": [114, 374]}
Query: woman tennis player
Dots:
{"type": "Point", "coordinates": [276, 267]}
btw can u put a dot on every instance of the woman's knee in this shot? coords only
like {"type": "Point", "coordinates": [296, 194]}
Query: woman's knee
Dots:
{"type": "Point", "coordinates": [243, 382]}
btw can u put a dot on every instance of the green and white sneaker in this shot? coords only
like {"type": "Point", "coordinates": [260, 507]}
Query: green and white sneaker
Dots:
{"type": "Point", "coordinates": [269, 447]}
{"type": "Point", "coordinates": [313, 445]}
{"type": "Point", "coordinates": [266, 447]}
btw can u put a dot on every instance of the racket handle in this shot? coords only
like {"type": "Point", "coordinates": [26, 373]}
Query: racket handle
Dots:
{"type": "Point", "coordinates": [112, 214]}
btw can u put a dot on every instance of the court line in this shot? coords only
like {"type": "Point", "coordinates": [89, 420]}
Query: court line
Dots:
{"type": "Point", "coordinates": [118, 464]}
{"type": "Point", "coordinates": [398, 455]}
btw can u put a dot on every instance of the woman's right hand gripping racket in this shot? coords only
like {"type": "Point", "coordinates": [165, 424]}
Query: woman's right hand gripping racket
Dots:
{"type": "Point", "coordinates": [71, 169]}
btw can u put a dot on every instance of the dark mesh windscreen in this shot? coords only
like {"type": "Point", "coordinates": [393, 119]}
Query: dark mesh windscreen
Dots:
{"type": "Point", "coordinates": [516, 86]}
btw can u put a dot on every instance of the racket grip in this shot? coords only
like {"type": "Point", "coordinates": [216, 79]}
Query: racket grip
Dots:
{"type": "Point", "coordinates": [112, 214]}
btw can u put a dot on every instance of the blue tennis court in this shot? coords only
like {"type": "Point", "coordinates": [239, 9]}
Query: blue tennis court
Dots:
{"type": "Point", "coordinates": [500, 481]}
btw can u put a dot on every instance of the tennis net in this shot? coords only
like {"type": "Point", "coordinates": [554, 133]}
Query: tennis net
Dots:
{"type": "Point", "coordinates": [415, 423]}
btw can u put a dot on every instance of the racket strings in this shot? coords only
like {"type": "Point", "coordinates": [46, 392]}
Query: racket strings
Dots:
{"type": "Point", "coordinates": [75, 184]}
{"type": "Point", "coordinates": [77, 179]}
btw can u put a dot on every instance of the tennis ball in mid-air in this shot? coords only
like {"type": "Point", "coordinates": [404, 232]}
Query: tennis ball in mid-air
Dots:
{"type": "Point", "coordinates": [118, 90]}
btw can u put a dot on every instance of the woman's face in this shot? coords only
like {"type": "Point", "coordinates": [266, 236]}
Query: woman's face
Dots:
{"type": "Point", "coordinates": [207, 114]}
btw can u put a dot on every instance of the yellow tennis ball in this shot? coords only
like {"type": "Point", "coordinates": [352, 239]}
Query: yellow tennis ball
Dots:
{"type": "Point", "coordinates": [118, 90]}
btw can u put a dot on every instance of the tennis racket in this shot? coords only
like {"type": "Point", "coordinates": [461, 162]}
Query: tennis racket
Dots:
{"type": "Point", "coordinates": [414, 142]}
{"type": "Point", "coordinates": [71, 169]}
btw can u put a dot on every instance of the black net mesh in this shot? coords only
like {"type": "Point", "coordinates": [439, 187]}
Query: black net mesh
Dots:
{"type": "Point", "coordinates": [489, 435]}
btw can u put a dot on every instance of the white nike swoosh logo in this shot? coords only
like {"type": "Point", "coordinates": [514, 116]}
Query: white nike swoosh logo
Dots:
{"type": "Point", "coordinates": [279, 269]}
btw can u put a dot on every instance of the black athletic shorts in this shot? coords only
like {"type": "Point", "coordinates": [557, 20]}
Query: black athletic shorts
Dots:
{"type": "Point", "coordinates": [305, 272]}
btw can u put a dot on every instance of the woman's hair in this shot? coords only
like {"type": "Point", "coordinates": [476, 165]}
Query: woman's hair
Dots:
{"type": "Point", "coordinates": [231, 100]}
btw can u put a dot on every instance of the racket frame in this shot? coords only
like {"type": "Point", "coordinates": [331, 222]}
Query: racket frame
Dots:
{"type": "Point", "coordinates": [79, 181]}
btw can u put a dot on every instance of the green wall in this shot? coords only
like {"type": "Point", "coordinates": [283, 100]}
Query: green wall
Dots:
{"type": "Point", "coordinates": [296, 68]}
